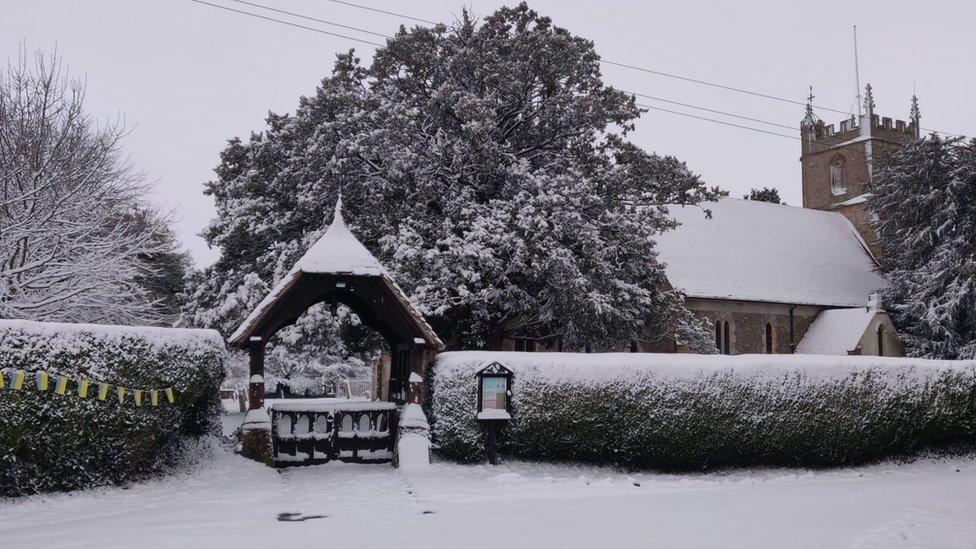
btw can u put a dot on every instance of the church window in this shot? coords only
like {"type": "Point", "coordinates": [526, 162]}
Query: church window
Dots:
{"type": "Point", "coordinates": [838, 184]}
{"type": "Point", "coordinates": [723, 337]}
{"type": "Point", "coordinates": [769, 338]}
{"type": "Point", "coordinates": [726, 338]}
{"type": "Point", "coordinates": [881, 334]}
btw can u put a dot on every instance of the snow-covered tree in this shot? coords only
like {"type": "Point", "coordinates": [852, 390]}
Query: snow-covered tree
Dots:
{"type": "Point", "coordinates": [486, 165]}
{"type": "Point", "coordinates": [924, 201]}
{"type": "Point", "coordinates": [765, 194]}
{"type": "Point", "coordinates": [77, 241]}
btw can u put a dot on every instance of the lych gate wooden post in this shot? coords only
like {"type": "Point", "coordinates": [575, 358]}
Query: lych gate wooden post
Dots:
{"type": "Point", "coordinates": [255, 385]}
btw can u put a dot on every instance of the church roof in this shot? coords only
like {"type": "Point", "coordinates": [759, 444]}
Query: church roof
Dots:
{"type": "Point", "coordinates": [757, 251]}
{"type": "Point", "coordinates": [836, 331]}
{"type": "Point", "coordinates": [337, 252]}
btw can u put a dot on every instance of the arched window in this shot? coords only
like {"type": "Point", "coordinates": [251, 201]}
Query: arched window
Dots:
{"type": "Point", "coordinates": [881, 340]}
{"type": "Point", "coordinates": [769, 338]}
{"type": "Point", "coordinates": [718, 335]}
{"type": "Point", "coordinates": [838, 185]}
{"type": "Point", "coordinates": [726, 339]}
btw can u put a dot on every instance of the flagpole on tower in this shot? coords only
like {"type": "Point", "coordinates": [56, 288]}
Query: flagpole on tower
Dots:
{"type": "Point", "coordinates": [857, 75]}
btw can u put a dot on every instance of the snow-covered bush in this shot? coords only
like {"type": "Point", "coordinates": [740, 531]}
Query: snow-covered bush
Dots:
{"type": "Point", "coordinates": [698, 411]}
{"type": "Point", "coordinates": [62, 442]}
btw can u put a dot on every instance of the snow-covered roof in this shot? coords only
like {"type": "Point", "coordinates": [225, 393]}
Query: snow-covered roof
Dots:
{"type": "Point", "coordinates": [757, 251]}
{"type": "Point", "coordinates": [337, 252]}
{"type": "Point", "coordinates": [836, 331]}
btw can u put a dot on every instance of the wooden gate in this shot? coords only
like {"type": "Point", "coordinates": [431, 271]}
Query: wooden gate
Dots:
{"type": "Point", "coordinates": [313, 433]}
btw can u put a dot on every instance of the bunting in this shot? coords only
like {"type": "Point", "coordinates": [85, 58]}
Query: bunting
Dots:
{"type": "Point", "coordinates": [43, 382]}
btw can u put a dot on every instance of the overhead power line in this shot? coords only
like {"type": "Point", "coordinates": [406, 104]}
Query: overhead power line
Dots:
{"type": "Point", "coordinates": [290, 24]}
{"type": "Point", "coordinates": [310, 18]}
{"type": "Point", "coordinates": [715, 111]}
{"type": "Point", "coordinates": [705, 118]}
{"type": "Point", "coordinates": [716, 85]}
{"type": "Point", "coordinates": [377, 10]}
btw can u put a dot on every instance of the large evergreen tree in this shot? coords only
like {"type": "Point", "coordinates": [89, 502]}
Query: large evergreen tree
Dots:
{"type": "Point", "coordinates": [486, 165]}
{"type": "Point", "coordinates": [924, 201]}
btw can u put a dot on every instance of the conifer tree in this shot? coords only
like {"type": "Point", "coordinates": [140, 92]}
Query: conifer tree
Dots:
{"type": "Point", "coordinates": [765, 194]}
{"type": "Point", "coordinates": [924, 202]}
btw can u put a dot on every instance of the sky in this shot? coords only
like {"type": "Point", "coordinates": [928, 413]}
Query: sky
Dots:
{"type": "Point", "coordinates": [187, 77]}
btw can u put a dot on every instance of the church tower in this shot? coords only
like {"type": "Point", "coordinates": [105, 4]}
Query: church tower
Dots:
{"type": "Point", "coordinates": [837, 163]}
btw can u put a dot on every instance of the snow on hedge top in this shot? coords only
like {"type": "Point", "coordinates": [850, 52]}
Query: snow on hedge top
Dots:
{"type": "Point", "coordinates": [836, 331]}
{"type": "Point", "coordinates": [603, 367]}
{"type": "Point", "coordinates": [756, 251]}
{"type": "Point", "coordinates": [156, 336]}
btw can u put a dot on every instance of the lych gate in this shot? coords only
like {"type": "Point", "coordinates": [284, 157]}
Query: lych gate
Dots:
{"type": "Point", "coordinates": [338, 269]}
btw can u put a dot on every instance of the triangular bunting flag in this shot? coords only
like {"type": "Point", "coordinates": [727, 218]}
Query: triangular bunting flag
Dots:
{"type": "Point", "coordinates": [154, 397]}
{"type": "Point", "coordinates": [3, 382]}
{"type": "Point", "coordinates": [138, 395]}
{"type": "Point", "coordinates": [19, 377]}
{"type": "Point", "coordinates": [121, 393]}
{"type": "Point", "coordinates": [169, 395]}
{"type": "Point", "coordinates": [103, 391]}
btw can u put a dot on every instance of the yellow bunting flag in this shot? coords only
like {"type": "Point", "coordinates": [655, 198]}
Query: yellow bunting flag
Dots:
{"type": "Point", "coordinates": [19, 377]}
{"type": "Point", "coordinates": [40, 379]}
{"type": "Point", "coordinates": [169, 395]}
{"type": "Point", "coordinates": [103, 391]}
{"type": "Point", "coordinates": [154, 397]}
{"type": "Point", "coordinates": [121, 393]}
{"type": "Point", "coordinates": [61, 385]}
{"type": "Point", "coordinates": [83, 388]}
{"type": "Point", "coordinates": [3, 382]}
{"type": "Point", "coordinates": [138, 395]}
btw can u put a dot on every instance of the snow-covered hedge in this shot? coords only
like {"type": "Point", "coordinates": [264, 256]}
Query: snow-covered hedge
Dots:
{"type": "Point", "coordinates": [697, 411]}
{"type": "Point", "coordinates": [61, 442]}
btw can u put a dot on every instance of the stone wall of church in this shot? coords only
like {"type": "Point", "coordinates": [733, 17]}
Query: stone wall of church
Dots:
{"type": "Point", "coordinates": [747, 322]}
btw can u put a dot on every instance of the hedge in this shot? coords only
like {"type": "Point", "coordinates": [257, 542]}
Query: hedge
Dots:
{"type": "Point", "coordinates": [690, 412]}
{"type": "Point", "coordinates": [63, 442]}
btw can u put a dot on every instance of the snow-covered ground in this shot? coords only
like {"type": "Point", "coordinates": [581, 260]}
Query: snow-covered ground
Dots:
{"type": "Point", "coordinates": [230, 502]}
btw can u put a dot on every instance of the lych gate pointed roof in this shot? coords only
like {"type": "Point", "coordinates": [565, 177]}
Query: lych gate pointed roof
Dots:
{"type": "Point", "coordinates": [337, 252]}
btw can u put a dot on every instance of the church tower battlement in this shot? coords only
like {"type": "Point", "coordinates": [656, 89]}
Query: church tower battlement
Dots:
{"type": "Point", "coordinates": [837, 163]}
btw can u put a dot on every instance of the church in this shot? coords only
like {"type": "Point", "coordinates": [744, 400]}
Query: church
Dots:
{"type": "Point", "coordinates": [771, 278]}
